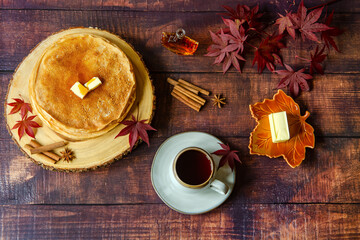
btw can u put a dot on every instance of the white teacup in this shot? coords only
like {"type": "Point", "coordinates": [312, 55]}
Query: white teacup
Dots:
{"type": "Point", "coordinates": [193, 168]}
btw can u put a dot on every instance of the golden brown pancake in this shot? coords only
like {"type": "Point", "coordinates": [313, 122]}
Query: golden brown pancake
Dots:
{"type": "Point", "coordinates": [79, 57]}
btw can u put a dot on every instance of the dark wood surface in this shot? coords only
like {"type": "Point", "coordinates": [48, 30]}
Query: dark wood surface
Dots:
{"type": "Point", "coordinates": [318, 200]}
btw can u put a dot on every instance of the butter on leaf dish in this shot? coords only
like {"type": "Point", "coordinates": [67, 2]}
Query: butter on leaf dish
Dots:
{"type": "Point", "coordinates": [301, 133]}
{"type": "Point", "coordinates": [279, 127]}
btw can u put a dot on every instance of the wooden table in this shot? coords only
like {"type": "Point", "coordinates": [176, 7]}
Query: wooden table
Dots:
{"type": "Point", "coordinates": [318, 200]}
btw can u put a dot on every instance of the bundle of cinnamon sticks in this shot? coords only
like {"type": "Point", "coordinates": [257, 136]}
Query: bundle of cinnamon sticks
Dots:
{"type": "Point", "coordinates": [187, 93]}
{"type": "Point", "coordinates": [45, 150]}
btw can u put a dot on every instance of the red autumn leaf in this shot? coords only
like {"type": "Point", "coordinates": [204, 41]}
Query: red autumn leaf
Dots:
{"type": "Point", "coordinates": [285, 23]}
{"type": "Point", "coordinates": [224, 52]}
{"type": "Point", "coordinates": [220, 46]}
{"type": "Point", "coordinates": [241, 12]}
{"type": "Point", "coordinates": [135, 129]}
{"type": "Point", "coordinates": [237, 36]}
{"type": "Point", "coordinates": [20, 105]}
{"type": "Point", "coordinates": [327, 35]}
{"type": "Point", "coordinates": [306, 23]}
{"type": "Point", "coordinates": [252, 18]}
{"type": "Point", "coordinates": [316, 59]}
{"type": "Point", "coordinates": [26, 124]}
{"type": "Point", "coordinates": [294, 80]}
{"type": "Point", "coordinates": [267, 54]}
{"type": "Point", "coordinates": [244, 13]}
{"type": "Point", "coordinates": [228, 156]}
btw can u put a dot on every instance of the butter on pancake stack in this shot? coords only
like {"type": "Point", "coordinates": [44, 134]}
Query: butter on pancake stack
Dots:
{"type": "Point", "coordinates": [80, 57]}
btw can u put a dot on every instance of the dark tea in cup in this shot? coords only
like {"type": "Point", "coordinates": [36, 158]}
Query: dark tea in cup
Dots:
{"type": "Point", "coordinates": [193, 167]}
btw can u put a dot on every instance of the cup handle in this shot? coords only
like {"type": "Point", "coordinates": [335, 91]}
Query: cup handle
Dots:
{"type": "Point", "coordinates": [219, 186]}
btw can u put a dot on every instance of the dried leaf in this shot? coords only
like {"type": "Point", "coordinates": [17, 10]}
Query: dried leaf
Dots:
{"type": "Point", "coordinates": [306, 23]}
{"type": "Point", "coordinates": [237, 37]}
{"type": "Point", "coordinates": [225, 52]}
{"type": "Point", "coordinates": [267, 54]}
{"type": "Point", "coordinates": [316, 59]}
{"type": "Point", "coordinates": [228, 156]}
{"type": "Point", "coordinates": [253, 18]}
{"type": "Point", "coordinates": [301, 133]}
{"type": "Point", "coordinates": [136, 129]}
{"type": "Point", "coordinates": [20, 105]}
{"type": "Point", "coordinates": [26, 124]}
{"type": "Point", "coordinates": [244, 14]}
{"type": "Point", "coordinates": [285, 23]}
{"type": "Point", "coordinates": [241, 13]}
{"type": "Point", "coordinates": [327, 35]}
{"type": "Point", "coordinates": [294, 80]}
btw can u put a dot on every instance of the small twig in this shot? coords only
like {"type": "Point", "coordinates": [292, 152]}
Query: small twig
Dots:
{"type": "Point", "coordinates": [305, 59]}
{"type": "Point", "coordinates": [324, 4]}
{"type": "Point", "coordinates": [263, 32]}
{"type": "Point", "coordinates": [250, 45]}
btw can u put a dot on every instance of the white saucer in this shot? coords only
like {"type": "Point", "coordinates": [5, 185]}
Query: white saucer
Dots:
{"type": "Point", "coordinates": [188, 201]}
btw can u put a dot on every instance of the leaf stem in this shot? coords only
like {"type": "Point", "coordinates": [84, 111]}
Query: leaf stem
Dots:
{"type": "Point", "coordinates": [305, 59]}
{"type": "Point", "coordinates": [262, 32]}
{"type": "Point", "coordinates": [137, 115]}
{"type": "Point", "coordinates": [307, 114]}
{"type": "Point", "coordinates": [322, 5]}
{"type": "Point", "coordinates": [251, 45]}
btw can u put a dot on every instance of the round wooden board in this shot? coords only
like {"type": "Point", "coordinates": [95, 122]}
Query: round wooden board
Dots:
{"type": "Point", "coordinates": [93, 153]}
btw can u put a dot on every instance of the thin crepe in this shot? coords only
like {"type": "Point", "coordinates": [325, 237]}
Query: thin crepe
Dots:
{"type": "Point", "coordinates": [79, 57]}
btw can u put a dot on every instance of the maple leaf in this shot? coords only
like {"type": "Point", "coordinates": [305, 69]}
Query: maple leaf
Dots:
{"type": "Point", "coordinates": [135, 129]}
{"type": "Point", "coordinates": [224, 52]}
{"type": "Point", "coordinates": [252, 18]}
{"type": "Point", "coordinates": [267, 54]}
{"type": "Point", "coordinates": [20, 105]}
{"type": "Point", "coordinates": [244, 13]}
{"type": "Point", "coordinates": [285, 23]}
{"type": "Point", "coordinates": [241, 12]}
{"type": "Point", "coordinates": [306, 23]}
{"type": "Point", "coordinates": [316, 59]}
{"type": "Point", "coordinates": [228, 156]}
{"type": "Point", "coordinates": [301, 133]}
{"type": "Point", "coordinates": [26, 124]}
{"type": "Point", "coordinates": [294, 80]}
{"type": "Point", "coordinates": [327, 35]}
{"type": "Point", "coordinates": [220, 46]}
{"type": "Point", "coordinates": [238, 36]}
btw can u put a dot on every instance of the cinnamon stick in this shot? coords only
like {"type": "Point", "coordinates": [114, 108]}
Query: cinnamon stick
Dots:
{"type": "Point", "coordinates": [203, 91]}
{"type": "Point", "coordinates": [53, 156]}
{"type": "Point", "coordinates": [172, 81]}
{"type": "Point", "coordinates": [190, 103]}
{"type": "Point", "coordinates": [176, 83]}
{"type": "Point", "coordinates": [45, 154]}
{"type": "Point", "coordinates": [191, 95]}
{"type": "Point", "coordinates": [49, 147]}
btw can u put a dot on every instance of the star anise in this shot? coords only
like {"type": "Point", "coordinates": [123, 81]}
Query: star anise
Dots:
{"type": "Point", "coordinates": [218, 100]}
{"type": "Point", "coordinates": [67, 154]}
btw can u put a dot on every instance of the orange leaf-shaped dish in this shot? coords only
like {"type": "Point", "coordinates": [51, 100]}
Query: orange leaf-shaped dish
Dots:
{"type": "Point", "coordinates": [301, 133]}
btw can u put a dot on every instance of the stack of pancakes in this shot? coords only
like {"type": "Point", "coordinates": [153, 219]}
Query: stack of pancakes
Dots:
{"type": "Point", "coordinates": [80, 57]}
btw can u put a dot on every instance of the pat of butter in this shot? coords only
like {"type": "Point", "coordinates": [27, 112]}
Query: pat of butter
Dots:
{"type": "Point", "coordinates": [79, 90]}
{"type": "Point", "coordinates": [279, 127]}
{"type": "Point", "coordinates": [93, 83]}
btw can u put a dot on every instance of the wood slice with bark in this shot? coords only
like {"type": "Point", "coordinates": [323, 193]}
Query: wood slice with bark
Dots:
{"type": "Point", "coordinates": [90, 153]}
